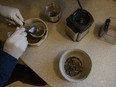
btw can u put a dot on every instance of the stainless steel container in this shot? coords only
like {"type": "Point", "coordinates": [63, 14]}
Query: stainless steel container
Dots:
{"type": "Point", "coordinates": [53, 12]}
{"type": "Point", "coordinates": [75, 36]}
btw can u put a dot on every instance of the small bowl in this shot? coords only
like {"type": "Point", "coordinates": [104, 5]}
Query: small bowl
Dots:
{"type": "Point", "coordinates": [78, 69]}
{"type": "Point", "coordinates": [33, 41]}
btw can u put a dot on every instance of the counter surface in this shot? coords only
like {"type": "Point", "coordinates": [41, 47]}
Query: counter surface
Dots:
{"type": "Point", "coordinates": [44, 59]}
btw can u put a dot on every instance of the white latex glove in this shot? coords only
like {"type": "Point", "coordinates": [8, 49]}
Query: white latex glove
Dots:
{"type": "Point", "coordinates": [16, 44]}
{"type": "Point", "coordinates": [11, 13]}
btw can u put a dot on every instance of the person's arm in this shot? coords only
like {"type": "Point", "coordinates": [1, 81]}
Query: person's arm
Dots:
{"type": "Point", "coordinates": [11, 13]}
{"type": "Point", "coordinates": [13, 48]}
{"type": "Point", "coordinates": [7, 64]}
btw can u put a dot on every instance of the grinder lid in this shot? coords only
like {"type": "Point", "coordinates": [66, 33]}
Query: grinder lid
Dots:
{"type": "Point", "coordinates": [80, 20]}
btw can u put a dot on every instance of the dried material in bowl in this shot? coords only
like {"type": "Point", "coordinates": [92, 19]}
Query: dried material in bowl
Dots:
{"type": "Point", "coordinates": [83, 68]}
{"type": "Point", "coordinates": [33, 40]}
{"type": "Point", "coordinates": [73, 66]}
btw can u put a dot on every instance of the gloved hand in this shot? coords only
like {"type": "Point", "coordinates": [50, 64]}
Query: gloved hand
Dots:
{"type": "Point", "coordinates": [11, 13]}
{"type": "Point", "coordinates": [16, 44]}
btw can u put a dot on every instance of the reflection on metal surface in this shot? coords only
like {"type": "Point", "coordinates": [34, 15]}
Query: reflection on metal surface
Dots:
{"type": "Point", "coordinates": [53, 12]}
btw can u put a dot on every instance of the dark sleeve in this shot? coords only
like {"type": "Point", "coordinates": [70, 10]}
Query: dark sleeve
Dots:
{"type": "Point", "coordinates": [7, 64]}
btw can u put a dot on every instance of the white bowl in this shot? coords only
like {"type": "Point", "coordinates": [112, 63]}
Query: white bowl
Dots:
{"type": "Point", "coordinates": [36, 41]}
{"type": "Point", "coordinates": [85, 60]}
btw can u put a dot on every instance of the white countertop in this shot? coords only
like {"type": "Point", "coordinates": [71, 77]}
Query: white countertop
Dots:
{"type": "Point", "coordinates": [44, 59]}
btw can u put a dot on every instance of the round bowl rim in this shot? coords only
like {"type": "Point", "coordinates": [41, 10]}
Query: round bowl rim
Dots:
{"type": "Point", "coordinates": [61, 60]}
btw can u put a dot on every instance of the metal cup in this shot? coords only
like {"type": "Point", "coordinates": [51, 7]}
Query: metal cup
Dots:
{"type": "Point", "coordinates": [53, 12]}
